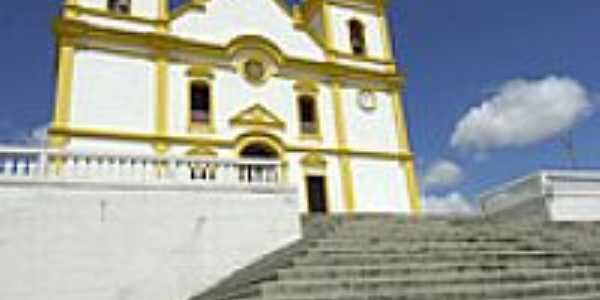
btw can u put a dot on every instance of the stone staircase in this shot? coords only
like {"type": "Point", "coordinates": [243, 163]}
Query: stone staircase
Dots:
{"type": "Point", "coordinates": [379, 257]}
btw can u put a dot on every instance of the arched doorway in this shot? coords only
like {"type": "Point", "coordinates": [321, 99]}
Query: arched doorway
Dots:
{"type": "Point", "coordinates": [259, 151]}
{"type": "Point", "coordinates": [259, 173]}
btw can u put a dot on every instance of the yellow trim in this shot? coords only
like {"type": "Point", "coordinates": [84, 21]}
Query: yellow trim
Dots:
{"type": "Point", "coordinates": [170, 43]}
{"type": "Point", "coordinates": [163, 16]}
{"type": "Point", "coordinates": [191, 140]}
{"type": "Point", "coordinates": [363, 58]}
{"type": "Point", "coordinates": [96, 12]}
{"type": "Point", "coordinates": [317, 136]}
{"type": "Point", "coordinates": [403, 145]}
{"type": "Point", "coordinates": [196, 127]}
{"type": "Point", "coordinates": [257, 116]}
{"type": "Point", "coordinates": [68, 11]}
{"type": "Point", "coordinates": [64, 82]}
{"type": "Point", "coordinates": [266, 139]}
{"type": "Point", "coordinates": [161, 108]}
{"type": "Point", "coordinates": [328, 31]}
{"type": "Point", "coordinates": [306, 87]}
{"type": "Point", "coordinates": [413, 190]}
{"type": "Point", "coordinates": [314, 160]}
{"type": "Point", "coordinates": [340, 129]}
{"type": "Point", "coordinates": [256, 44]}
{"type": "Point", "coordinates": [185, 7]}
{"type": "Point", "coordinates": [385, 37]}
{"type": "Point", "coordinates": [202, 152]}
{"type": "Point", "coordinates": [200, 72]}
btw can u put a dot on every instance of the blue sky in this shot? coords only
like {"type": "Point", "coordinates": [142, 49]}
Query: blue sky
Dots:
{"type": "Point", "coordinates": [456, 54]}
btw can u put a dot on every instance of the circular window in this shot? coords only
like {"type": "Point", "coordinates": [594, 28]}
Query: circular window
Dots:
{"type": "Point", "coordinates": [367, 100]}
{"type": "Point", "coordinates": [254, 70]}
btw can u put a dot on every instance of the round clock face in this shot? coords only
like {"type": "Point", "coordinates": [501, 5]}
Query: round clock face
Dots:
{"type": "Point", "coordinates": [254, 70]}
{"type": "Point", "coordinates": [367, 100]}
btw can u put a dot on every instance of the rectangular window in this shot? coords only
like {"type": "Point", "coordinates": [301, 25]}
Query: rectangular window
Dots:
{"type": "Point", "coordinates": [308, 115]}
{"type": "Point", "coordinates": [200, 102]}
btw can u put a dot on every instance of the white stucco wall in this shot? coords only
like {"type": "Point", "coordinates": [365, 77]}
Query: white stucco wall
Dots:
{"type": "Point", "coordinates": [121, 243]}
{"type": "Point", "coordinates": [340, 16]}
{"type": "Point", "coordinates": [298, 173]}
{"type": "Point", "coordinates": [258, 17]}
{"type": "Point", "coordinates": [380, 186]}
{"type": "Point", "coordinates": [107, 146]}
{"type": "Point", "coordinates": [370, 129]}
{"type": "Point", "coordinates": [112, 92]}
{"type": "Point", "coordinates": [124, 25]}
{"type": "Point", "coordinates": [277, 95]}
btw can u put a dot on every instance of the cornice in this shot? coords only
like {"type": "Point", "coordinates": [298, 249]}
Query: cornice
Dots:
{"type": "Point", "coordinates": [165, 43]}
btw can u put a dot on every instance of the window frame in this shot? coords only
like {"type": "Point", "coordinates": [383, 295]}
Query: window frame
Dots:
{"type": "Point", "coordinates": [316, 135]}
{"type": "Point", "coordinates": [362, 28]}
{"type": "Point", "coordinates": [195, 126]}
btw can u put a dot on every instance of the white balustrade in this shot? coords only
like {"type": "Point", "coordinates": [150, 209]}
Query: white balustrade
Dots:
{"type": "Point", "coordinates": [41, 164]}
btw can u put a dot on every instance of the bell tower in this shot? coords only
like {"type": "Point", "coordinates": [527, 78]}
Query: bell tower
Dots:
{"type": "Point", "coordinates": [351, 29]}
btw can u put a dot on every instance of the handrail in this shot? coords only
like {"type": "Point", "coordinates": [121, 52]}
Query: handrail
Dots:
{"type": "Point", "coordinates": [48, 163]}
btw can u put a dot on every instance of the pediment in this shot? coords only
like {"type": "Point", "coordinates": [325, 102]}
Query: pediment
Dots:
{"type": "Point", "coordinates": [222, 22]}
{"type": "Point", "coordinates": [257, 116]}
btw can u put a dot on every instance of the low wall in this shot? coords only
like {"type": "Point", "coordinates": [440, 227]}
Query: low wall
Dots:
{"type": "Point", "coordinates": [76, 241]}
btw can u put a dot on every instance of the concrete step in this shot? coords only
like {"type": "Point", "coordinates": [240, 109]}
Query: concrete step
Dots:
{"type": "Point", "coordinates": [527, 290]}
{"type": "Point", "coordinates": [511, 257]}
{"type": "Point", "coordinates": [329, 245]}
{"type": "Point", "coordinates": [579, 296]}
{"type": "Point", "coordinates": [334, 285]}
{"type": "Point", "coordinates": [438, 271]}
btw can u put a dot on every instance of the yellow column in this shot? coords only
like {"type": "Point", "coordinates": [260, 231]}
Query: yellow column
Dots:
{"type": "Point", "coordinates": [328, 31]}
{"type": "Point", "coordinates": [403, 145]}
{"type": "Point", "coordinates": [62, 100]}
{"type": "Point", "coordinates": [70, 9]}
{"type": "Point", "coordinates": [388, 51]}
{"type": "Point", "coordinates": [161, 102]}
{"type": "Point", "coordinates": [345, 165]}
{"type": "Point", "coordinates": [163, 16]}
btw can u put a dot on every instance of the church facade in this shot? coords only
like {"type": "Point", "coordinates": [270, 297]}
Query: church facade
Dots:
{"type": "Point", "coordinates": [314, 87]}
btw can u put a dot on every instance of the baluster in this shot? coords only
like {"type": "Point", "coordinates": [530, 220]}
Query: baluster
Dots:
{"type": "Point", "coordinates": [149, 170]}
{"type": "Point", "coordinates": [9, 167]}
{"type": "Point", "coordinates": [125, 168]}
{"type": "Point", "coordinates": [81, 167]}
{"type": "Point", "coordinates": [138, 170]}
{"type": "Point", "coordinates": [93, 168]}
{"type": "Point", "coordinates": [21, 169]}
{"type": "Point", "coordinates": [70, 167]}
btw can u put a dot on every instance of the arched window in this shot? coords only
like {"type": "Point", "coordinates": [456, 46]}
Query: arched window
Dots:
{"type": "Point", "coordinates": [259, 150]}
{"type": "Point", "coordinates": [308, 115]}
{"type": "Point", "coordinates": [119, 6]}
{"type": "Point", "coordinates": [357, 37]}
{"type": "Point", "coordinates": [200, 102]}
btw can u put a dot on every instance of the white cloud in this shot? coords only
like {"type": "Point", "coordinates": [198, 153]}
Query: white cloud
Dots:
{"type": "Point", "coordinates": [451, 204]}
{"type": "Point", "coordinates": [523, 112]}
{"type": "Point", "coordinates": [442, 173]}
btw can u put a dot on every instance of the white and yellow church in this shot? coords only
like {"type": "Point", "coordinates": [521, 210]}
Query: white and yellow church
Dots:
{"type": "Point", "coordinates": [314, 87]}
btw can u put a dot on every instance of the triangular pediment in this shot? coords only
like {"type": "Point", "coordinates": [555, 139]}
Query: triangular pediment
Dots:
{"type": "Point", "coordinates": [219, 22]}
{"type": "Point", "coordinates": [257, 116]}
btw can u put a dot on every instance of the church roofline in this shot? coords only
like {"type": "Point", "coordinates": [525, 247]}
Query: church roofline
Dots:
{"type": "Point", "coordinates": [74, 29]}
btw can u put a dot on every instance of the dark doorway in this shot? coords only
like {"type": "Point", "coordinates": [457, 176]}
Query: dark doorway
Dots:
{"type": "Point", "coordinates": [317, 194]}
